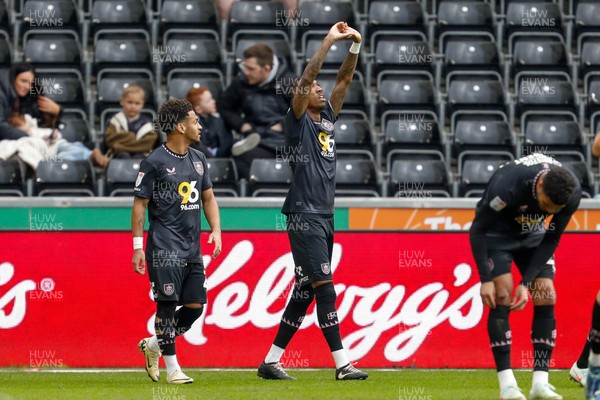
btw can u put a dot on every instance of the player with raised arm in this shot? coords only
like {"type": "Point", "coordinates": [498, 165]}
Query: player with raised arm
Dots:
{"type": "Point", "coordinates": [509, 226]}
{"type": "Point", "coordinates": [173, 184]}
{"type": "Point", "coordinates": [309, 207]}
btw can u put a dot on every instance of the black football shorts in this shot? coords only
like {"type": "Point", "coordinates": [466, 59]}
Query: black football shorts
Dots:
{"type": "Point", "coordinates": [311, 240]}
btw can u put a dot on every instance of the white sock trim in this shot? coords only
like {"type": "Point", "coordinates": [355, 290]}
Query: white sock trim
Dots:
{"type": "Point", "coordinates": [506, 378]}
{"type": "Point", "coordinates": [341, 358]}
{"type": "Point", "coordinates": [153, 344]}
{"type": "Point", "coordinates": [274, 355]}
{"type": "Point", "coordinates": [171, 363]}
{"type": "Point", "coordinates": [594, 359]}
{"type": "Point", "coordinates": [539, 377]}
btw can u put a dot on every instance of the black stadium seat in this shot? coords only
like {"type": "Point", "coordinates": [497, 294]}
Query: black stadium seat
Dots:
{"type": "Point", "coordinates": [476, 169]}
{"type": "Point", "coordinates": [269, 177]}
{"type": "Point", "coordinates": [127, 14]}
{"type": "Point", "coordinates": [52, 48]}
{"type": "Point", "coordinates": [188, 14]}
{"type": "Point", "coordinates": [121, 175]}
{"type": "Point", "coordinates": [419, 179]}
{"type": "Point", "coordinates": [65, 178]}
{"type": "Point", "coordinates": [395, 15]}
{"type": "Point", "coordinates": [224, 177]}
{"type": "Point", "coordinates": [356, 178]}
{"type": "Point", "coordinates": [11, 178]}
{"type": "Point", "coordinates": [180, 81]}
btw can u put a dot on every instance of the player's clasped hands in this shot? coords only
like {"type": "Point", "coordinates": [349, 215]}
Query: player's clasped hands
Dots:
{"type": "Point", "coordinates": [341, 30]}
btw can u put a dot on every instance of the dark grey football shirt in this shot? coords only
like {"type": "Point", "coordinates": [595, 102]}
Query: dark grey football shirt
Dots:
{"type": "Point", "coordinates": [311, 146]}
{"type": "Point", "coordinates": [173, 183]}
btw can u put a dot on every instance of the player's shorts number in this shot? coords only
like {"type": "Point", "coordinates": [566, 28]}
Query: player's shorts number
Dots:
{"type": "Point", "coordinates": [188, 191]}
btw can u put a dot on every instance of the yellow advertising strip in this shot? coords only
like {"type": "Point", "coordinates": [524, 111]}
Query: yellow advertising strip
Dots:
{"type": "Point", "coordinates": [440, 219]}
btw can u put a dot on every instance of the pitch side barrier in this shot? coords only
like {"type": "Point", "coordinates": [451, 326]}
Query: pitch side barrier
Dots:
{"type": "Point", "coordinates": [404, 275]}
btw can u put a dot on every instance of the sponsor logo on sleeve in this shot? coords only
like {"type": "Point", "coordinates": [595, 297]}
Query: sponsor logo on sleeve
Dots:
{"type": "Point", "coordinates": [497, 203]}
{"type": "Point", "coordinates": [140, 176]}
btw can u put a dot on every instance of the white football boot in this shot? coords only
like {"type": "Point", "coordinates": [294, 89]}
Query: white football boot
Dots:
{"type": "Point", "coordinates": [544, 391]}
{"type": "Point", "coordinates": [512, 393]}
{"type": "Point", "coordinates": [578, 375]}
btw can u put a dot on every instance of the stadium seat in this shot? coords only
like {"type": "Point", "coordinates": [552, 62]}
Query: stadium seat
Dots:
{"type": "Point", "coordinates": [258, 15]}
{"type": "Point", "coordinates": [395, 15]}
{"type": "Point", "coordinates": [122, 49]}
{"type": "Point", "coordinates": [74, 127]}
{"type": "Point", "coordinates": [399, 90]}
{"type": "Point", "coordinates": [65, 178]}
{"type": "Point", "coordinates": [356, 98]}
{"type": "Point", "coordinates": [419, 179]}
{"type": "Point", "coordinates": [12, 182]}
{"type": "Point", "coordinates": [121, 175]}
{"type": "Point", "coordinates": [6, 53]}
{"type": "Point", "coordinates": [189, 49]}
{"type": "Point", "coordinates": [583, 174]}
{"type": "Point", "coordinates": [188, 14]}
{"type": "Point", "coordinates": [269, 177]}
{"type": "Point", "coordinates": [587, 15]}
{"type": "Point", "coordinates": [408, 52]}
{"type": "Point", "coordinates": [532, 16]}
{"type": "Point", "coordinates": [127, 14]}
{"type": "Point", "coordinates": [352, 133]}
{"type": "Point", "coordinates": [111, 83]}
{"type": "Point", "coordinates": [356, 178]}
{"type": "Point", "coordinates": [537, 51]}
{"type": "Point", "coordinates": [462, 15]}
{"type": "Point", "coordinates": [475, 170]}
{"type": "Point", "coordinates": [63, 86]}
{"type": "Point", "coordinates": [481, 90]}
{"type": "Point", "coordinates": [53, 48]}
{"type": "Point", "coordinates": [224, 177]}
{"type": "Point", "coordinates": [550, 131]}
{"type": "Point", "coordinates": [589, 53]}
{"type": "Point", "coordinates": [321, 15]}
{"type": "Point", "coordinates": [481, 131]}
{"type": "Point", "coordinates": [49, 14]}
{"type": "Point", "coordinates": [411, 130]}
{"type": "Point", "coordinates": [475, 53]}
{"type": "Point", "coordinates": [543, 91]}
{"type": "Point", "coordinates": [4, 18]}
{"type": "Point", "coordinates": [180, 81]}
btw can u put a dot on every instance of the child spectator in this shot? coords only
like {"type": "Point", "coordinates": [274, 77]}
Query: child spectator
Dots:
{"type": "Point", "coordinates": [215, 140]}
{"type": "Point", "coordinates": [129, 133]}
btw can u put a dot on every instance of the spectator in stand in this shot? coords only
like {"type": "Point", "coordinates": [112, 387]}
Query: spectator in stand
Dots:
{"type": "Point", "coordinates": [216, 140]}
{"type": "Point", "coordinates": [255, 105]}
{"type": "Point", "coordinates": [28, 122]}
{"type": "Point", "coordinates": [129, 133]}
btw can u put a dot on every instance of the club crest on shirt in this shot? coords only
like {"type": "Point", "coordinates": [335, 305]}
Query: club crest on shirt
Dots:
{"type": "Point", "coordinates": [199, 167]}
{"type": "Point", "coordinates": [497, 203]}
{"type": "Point", "coordinates": [168, 288]}
{"type": "Point", "coordinates": [140, 176]}
{"type": "Point", "coordinates": [326, 124]}
{"type": "Point", "coordinates": [325, 268]}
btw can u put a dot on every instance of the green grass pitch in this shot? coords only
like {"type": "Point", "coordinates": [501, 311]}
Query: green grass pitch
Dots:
{"type": "Point", "coordinates": [401, 384]}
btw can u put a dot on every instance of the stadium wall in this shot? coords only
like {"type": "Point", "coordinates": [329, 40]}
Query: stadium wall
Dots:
{"type": "Point", "coordinates": [408, 291]}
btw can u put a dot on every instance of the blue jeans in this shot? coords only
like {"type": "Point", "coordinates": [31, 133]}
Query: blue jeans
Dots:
{"type": "Point", "coordinates": [73, 151]}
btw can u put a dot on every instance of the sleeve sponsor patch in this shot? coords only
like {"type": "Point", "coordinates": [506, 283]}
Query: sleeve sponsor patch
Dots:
{"type": "Point", "coordinates": [497, 203]}
{"type": "Point", "coordinates": [140, 176]}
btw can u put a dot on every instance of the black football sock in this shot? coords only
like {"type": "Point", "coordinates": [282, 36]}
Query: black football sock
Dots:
{"type": "Point", "coordinates": [582, 361]}
{"type": "Point", "coordinates": [164, 324]}
{"type": "Point", "coordinates": [185, 317]}
{"type": "Point", "coordinates": [293, 315]}
{"type": "Point", "coordinates": [327, 315]}
{"type": "Point", "coordinates": [595, 332]}
{"type": "Point", "coordinates": [543, 336]}
{"type": "Point", "coordinates": [500, 336]}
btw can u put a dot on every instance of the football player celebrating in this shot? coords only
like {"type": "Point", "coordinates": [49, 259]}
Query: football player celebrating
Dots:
{"type": "Point", "coordinates": [173, 183]}
{"type": "Point", "coordinates": [308, 128]}
{"type": "Point", "coordinates": [509, 226]}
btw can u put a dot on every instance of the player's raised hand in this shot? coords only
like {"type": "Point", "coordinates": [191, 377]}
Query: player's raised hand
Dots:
{"type": "Point", "coordinates": [488, 294]}
{"type": "Point", "coordinates": [520, 299]}
{"type": "Point", "coordinates": [215, 236]}
{"type": "Point", "coordinates": [338, 31]}
{"type": "Point", "coordinates": [139, 261]}
{"type": "Point", "coordinates": [353, 35]}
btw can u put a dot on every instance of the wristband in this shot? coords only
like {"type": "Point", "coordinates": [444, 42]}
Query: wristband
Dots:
{"type": "Point", "coordinates": [138, 242]}
{"type": "Point", "coordinates": [355, 48]}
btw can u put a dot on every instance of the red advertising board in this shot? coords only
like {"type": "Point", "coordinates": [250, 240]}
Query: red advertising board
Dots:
{"type": "Point", "coordinates": [404, 299]}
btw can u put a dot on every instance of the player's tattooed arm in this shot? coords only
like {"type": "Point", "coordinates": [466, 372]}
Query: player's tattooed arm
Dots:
{"type": "Point", "coordinates": [211, 212]}
{"type": "Point", "coordinates": [138, 216]}
{"type": "Point", "coordinates": [345, 73]}
{"type": "Point", "coordinates": [302, 90]}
